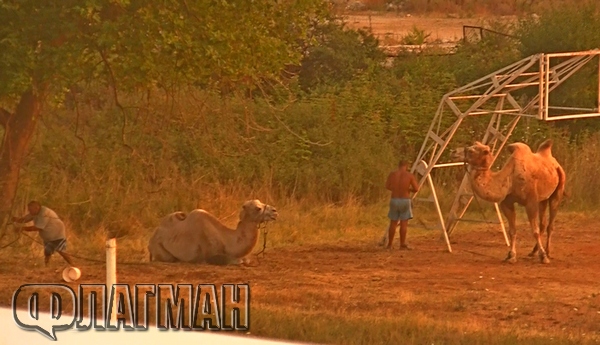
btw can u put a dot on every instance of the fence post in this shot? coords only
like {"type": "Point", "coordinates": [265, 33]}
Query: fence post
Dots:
{"type": "Point", "coordinates": [111, 277]}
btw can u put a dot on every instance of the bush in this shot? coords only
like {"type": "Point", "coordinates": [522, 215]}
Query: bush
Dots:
{"type": "Point", "coordinates": [338, 56]}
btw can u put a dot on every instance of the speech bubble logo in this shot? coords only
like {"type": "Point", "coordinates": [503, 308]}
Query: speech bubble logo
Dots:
{"type": "Point", "coordinates": [34, 296]}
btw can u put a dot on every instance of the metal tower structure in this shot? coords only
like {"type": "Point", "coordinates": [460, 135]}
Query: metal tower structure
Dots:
{"type": "Point", "coordinates": [522, 89]}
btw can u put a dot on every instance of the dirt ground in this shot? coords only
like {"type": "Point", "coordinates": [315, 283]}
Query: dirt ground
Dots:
{"type": "Point", "coordinates": [470, 287]}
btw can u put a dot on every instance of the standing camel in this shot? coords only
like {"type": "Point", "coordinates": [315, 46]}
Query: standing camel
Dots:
{"type": "Point", "coordinates": [534, 180]}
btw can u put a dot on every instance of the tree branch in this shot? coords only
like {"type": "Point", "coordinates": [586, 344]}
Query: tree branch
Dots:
{"type": "Point", "coordinates": [4, 117]}
{"type": "Point", "coordinates": [77, 129]}
{"type": "Point", "coordinates": [113, 82]}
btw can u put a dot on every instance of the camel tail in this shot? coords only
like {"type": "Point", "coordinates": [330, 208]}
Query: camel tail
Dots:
{"type": "Point", "coordinates": [559, 192]}
{"type": "Point", "coordinates": [545, 149]}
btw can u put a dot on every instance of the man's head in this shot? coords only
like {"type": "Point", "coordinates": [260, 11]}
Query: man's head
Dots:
{"type": "Point", "coordinates": [34, 207]}
{"type": "Point", "coordinates": [403, 164]}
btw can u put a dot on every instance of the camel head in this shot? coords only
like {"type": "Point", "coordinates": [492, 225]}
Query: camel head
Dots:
{"type": "Point", "coordinates": [256, 211]}
{"type": "Point", "coordinates": [478, 155]}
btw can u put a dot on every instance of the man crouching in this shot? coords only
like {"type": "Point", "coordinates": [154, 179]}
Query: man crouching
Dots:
{"type": "Point", "coordinates": [50, 228]}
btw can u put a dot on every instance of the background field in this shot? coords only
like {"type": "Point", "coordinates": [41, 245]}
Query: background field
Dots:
{"type": "Point", "coordinates": [390, 27]}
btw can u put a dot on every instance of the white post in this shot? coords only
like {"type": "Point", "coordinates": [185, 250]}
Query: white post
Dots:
{"type": "Point", "coordinates": [111, 276]}
{"type": "Point", "coordinates": [501, 223]}
{"type": "Point", "coordinates": [439, 211]}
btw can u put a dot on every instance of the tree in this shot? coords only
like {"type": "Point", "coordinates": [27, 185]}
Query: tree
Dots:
{"type": "Point", "coordinates": [338, 55]}
{"type": "Point", "coordinates": [48, 46]}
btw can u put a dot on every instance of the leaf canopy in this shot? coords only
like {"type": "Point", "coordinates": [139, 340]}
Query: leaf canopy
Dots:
{"type": "Point", "coordinates": [138, 43]}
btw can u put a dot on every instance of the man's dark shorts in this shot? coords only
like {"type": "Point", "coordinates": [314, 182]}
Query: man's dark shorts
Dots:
{"type": "Point", "coordinates": [55, 246]}
{"type": "Point", "coordinates": [400, 209]}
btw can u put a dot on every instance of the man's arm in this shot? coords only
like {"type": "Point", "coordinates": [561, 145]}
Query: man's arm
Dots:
{"type": "Point", "coordinates": [414, 184]}
{"type": "Point", "coordinates": [30, 228]}
{"type": "Point", "coordinates": [25, 219]}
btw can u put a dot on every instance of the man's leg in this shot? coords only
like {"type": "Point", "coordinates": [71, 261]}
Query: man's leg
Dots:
{"type": "Point", "coordinates": [60, 248]}
{"type": "Point", "coordinates": [392, 232]}
{"type": "Point", "coordinates": [403, 231]}
{"type": "Point", "coordinates": [67, 257]}
{"type": "Point", "coordinates": [48, 250]}
{"type": "Point", "coordinates": [404, 218]}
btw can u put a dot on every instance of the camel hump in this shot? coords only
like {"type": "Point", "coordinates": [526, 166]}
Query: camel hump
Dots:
{"type": "Point", "coordinates": [517, 148]}
{"type": "Point", "coordinates": [545, 148]}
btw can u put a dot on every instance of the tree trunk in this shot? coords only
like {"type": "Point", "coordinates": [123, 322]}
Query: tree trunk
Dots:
{"type": "Point", "coordinates": [18, 130]}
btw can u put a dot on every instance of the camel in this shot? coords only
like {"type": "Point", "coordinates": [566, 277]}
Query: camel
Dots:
{"type": "Point", "coordinates": [533, 180]}
{"type": "Point", "coordinates": [200, 237]}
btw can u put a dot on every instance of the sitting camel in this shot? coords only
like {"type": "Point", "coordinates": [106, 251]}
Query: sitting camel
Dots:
{"type": "Point", "coordinates": [200, 237]}
{"type": "Point", "coordinates": [534, 180]}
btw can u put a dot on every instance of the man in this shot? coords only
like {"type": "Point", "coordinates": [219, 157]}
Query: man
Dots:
{"type": "Point", "coordinates": [50, 228]}
{"type": "Point", "coordinates": [400, 182]}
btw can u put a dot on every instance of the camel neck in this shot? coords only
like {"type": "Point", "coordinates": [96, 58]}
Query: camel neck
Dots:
{"type": "Point", "coordinates": [246, 239]}
{"type": "Point", "coordinates": [491, 186]}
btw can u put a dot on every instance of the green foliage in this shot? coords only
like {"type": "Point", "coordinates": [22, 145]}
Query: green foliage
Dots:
{"type": "Point", "coordinates": [415, 36]}
{"type": "Point", "coordinates": [338, 55]}
{"type": "Point", "coordinates": [31, 43]}
{"type": "Point", "coordinates": [563, 29]}
{"type": "Point", "coordinates": [560, 29]}
{"type": "Point", "coordinates": [420, 83]}
{"type": "Point", "coordinates": [475, 60]}
{"type": "Point", "coordinates": [132, 44]}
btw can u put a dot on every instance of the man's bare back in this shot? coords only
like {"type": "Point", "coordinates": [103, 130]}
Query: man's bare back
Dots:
{"type": "Point", "coordinates": [401, 182]}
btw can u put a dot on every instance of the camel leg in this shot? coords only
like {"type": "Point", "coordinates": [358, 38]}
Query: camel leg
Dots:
{"type": "Point", "coordinates": [508, 208]}
{"type": "Point", "coordinates": [159, 253]}
{"type": "Point", "coordinates": [542, 211]}
{"type": "Point", "coordinates": [554, 202]}
{"type": "Point", "coordinates": [532, 209]}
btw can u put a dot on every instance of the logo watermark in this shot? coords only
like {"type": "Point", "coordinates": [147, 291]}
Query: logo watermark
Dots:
{"type": "Point", "coordinates": [178, 307]}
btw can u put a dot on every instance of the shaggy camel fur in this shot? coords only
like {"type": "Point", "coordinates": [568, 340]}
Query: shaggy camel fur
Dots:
{"type": "Point", "coordinates": [200, 237]}
{"type": "Point", "coordinates": [534, 180]}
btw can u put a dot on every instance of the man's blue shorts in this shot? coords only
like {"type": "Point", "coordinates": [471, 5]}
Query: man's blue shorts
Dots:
{"type": "Point", "coordinates": [55, 246]}
{"type": "Point", "coordinates": [400, 209]}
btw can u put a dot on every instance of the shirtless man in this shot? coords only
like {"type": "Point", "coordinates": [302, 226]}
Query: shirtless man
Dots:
{"type": "Point", "coordinates": [400, 182]}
